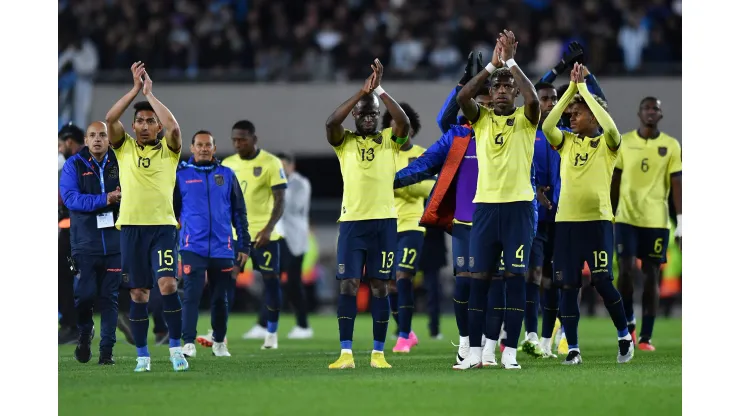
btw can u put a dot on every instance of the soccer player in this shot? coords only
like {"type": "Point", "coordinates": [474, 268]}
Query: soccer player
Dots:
{"type": "Point", "coordinates": [648, 168]}
{"type": "Point", "coordinates": [91, 191]}
{"type": "Point", "coordinates": [147, 218]}
{"type": "Point", "coordinates": [504, 215]}
{"type": "Point", "coordinates": [263, 183]}
{"type": "Point", "coordinates": [584, 230]}
{"type": "Point", "coordinates": [367, 223]}
{"type": "Point", "coordinates": [409, 202]}
{"type": "Point", "coordinates": [210, 201]}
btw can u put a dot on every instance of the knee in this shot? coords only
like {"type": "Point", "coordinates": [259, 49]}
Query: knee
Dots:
{"type": "Point", "coordinates": [140, 295]}
{"type": "Point", "coordinates": [379, 288]}
{"type": "Point", "coordinates": [167, 285]}
{"type": "Point", "coordinates": [349, 287]}
{"type": "Point", "coordinates": [535, 276]}
{"type": "Point", "coordinates": [392, 288]}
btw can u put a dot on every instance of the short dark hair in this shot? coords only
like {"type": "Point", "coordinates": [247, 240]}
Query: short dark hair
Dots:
{"type": "Point", "coordinates": [70, 131]}
{"type": "Point", "coordinates": [192, 141]}
{"type": "Point", "coordinates": [485, 89]}
{"type": "Point", "coordinates": [286, 157]}
{"type": "Point", "coordinates": [143, 106]}
{"type": "Point", "coordinates": [544, 86]}
{"type": "Point", "coordinates": [648, 98]}
{"type": "Point", "coordinates": [413, 116]}
{"type": "Point", "coordinates": [244, 125]}
{"type": "Point", "coordinates": [502, 72]}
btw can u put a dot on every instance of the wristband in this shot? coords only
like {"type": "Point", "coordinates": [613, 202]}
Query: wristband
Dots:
{"type": "Point", "coordinates": [510, 63]}
{"type": "Point", "coordinates": [379, 91]}
{"type": "Point", "coordinates": [678, 221]}
{"type": "Point", "coordinates": [490, 68]}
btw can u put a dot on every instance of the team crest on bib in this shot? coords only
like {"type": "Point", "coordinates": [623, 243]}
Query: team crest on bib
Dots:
{"type": "Point", "coordinates": [257, 171]}
{"type": "Point", "coordinates": [510, 122]}
{"type": "Point", "coordinates": [471, 261]}
{"type": "Point", "coordinates": [595, 143]}
{"type": "Point", "coordinates": [340, 269]}
{"type": "Point", "coordinates": [460, 261]}
{"type": "Point", "coordinates": [378, 139]}
{"type": "Point", "coordinates": [662, 151]}
{"type": "Point", "coordinates": [186, 269]}
{"type": "Point", "coordinates": [219, 179]}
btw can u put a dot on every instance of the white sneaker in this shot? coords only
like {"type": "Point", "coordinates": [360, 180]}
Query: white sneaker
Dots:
{"type": "Point", "coordinates": [473, 360]}
{"type": "Point", "coordinates": [220, 350]}
{"type": "Point", "coordinates": [626, 350]}
{"type": "Point", "coordinates": [546, 347]}
{"type": "Point", "coordinates": [463, 349]}
{"type": "Point", "coordinates": [271, 342]}
{"type": "Point", "coordinates": [489, 354]}
{"type": "Point", "coordinates": [483, 341]}
{"type": "Point", "coordinates": [143, 364]}
{"type": "Point", "coordinates": [508, 359]}
{"type": "Point", "coordinates": [573, 358]}
{"type": "Point", "coordinates": [300, 333]}
{"type": "Point", "coordinates": [188, 350]}
{"type": "Point", "coordinates": [257, 332]}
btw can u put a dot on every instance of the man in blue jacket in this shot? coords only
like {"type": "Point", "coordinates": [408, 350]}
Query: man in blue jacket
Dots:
{"type": "Point", "coordinates": [90, 189]}
{"type": "Point", "coordinates": [208, 202]}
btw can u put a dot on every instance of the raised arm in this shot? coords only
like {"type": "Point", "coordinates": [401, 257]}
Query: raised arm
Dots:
{"type": "Point", "coordinates": [334, 129]}
{"type": "Point", "coordinates": [448, 114]}
{"type": "Point", "coordinates": [593, 84]}
{"type": "Point", "coordinates": [116, 133]}
{"type": "Point", "coordinates": [526, 88]}
{"type": "Point", "coordinates": [174, 140]}
{"type": "Point", "coordinates": [402, 125]}
{"type": "Point", "coordinates": [611, 133]}
{"type": "Point", "coordinates": [573, 54]}
{"type": "Point", "coordinates": [550, 125]}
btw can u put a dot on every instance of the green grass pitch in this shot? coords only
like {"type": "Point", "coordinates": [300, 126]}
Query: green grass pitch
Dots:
{"type": "Point", "coordinates": [295, 380]}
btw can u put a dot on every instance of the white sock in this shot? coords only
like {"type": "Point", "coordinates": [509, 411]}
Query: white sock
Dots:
{"type": "Point", "coordinates": [490, 345]}
{"type": "Point", "coordinates": [344, 351]}
{"type": "Point", "coordinates": [475, 352]}
{"type": "Point", "coordinates": [175, 349]}
{"type": "Point", "coordinates": [376, 351]}
{"type": "Point", "coordinates": [574, 349]}
{"type": "Point", "coordinates": [464, 340]}
{"type": "Point", "coordinates": [546, 342]}
{"type": "Point", "coordinates": [628, 337]}
{"type": "Point", "coordinates": [509, 352]}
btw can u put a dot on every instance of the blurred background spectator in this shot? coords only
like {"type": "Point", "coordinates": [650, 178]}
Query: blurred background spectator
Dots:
{"type": "Point", "coordinates": [291, 40]}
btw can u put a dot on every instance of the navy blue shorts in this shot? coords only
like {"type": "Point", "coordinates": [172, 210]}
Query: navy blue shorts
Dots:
{"type": "Point", "coordinates": [148, 253]}
{"type": "Point", "coordinates": [369, 246]}
{"type": "Point", "coordinates": [460, 248]}
{"type": "Point", "coordinates": [542, 246]}
{"type": "Point", "coordinates": [497, 228]}
{"type": "Point", "coordinates": [647, 244]}
{"type": "Point", "coordinates": [265, 259]}
{"type": "Point", "coordinates": [578, 242]}
{"type": "Point", "coordinates": [408, 251]}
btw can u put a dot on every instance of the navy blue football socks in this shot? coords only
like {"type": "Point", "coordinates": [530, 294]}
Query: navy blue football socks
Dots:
{"type": "Point", "coordinates": [346, 314]}
{"type": "Point", "coordinates": [495, 315]}
{"type": "Point", "coordinates": [173, 317]}
{"type": "Point", "coordinates": [405, 306]}
{"type": "Point", "coordinates": [613, 302]}
{"type": "Point", "coordinates": [570, 314]}
{"type": "Point", "coordinates": [273, 300]}
{"type": "Point", "coordinates": [139, 317]}
{"type": "Point", "coordinates": [460, 303]}
{"type": "Point", "coordinates": [393, 298]}
{"type": "Point", "coordinates": [380, 310]}
{"type": "Point", "coordinates": [646, 332]}
{"type": "Point", "coordinates": [515, 304]}
{"type": "Point", "coordinates": [477, 309]}
{"type": "Point", "coordinates": [532, 307]}
{"type": "Point", "coordinates": [550, 309]}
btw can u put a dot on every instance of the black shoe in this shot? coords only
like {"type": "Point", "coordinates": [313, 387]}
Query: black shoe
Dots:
{"type": "Point", "coordinates": [123, 327]}
{"type": "Point", "coordinates": [83, 352]}
{"type": "Point", "coordinates": [106, 359]}
{"type": "Point", "coordinates": [67, 336]}
{"type": "Point", "coordinates": [573, 358]}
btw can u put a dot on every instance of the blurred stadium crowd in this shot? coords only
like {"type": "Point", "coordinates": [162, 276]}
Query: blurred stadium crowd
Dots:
{"type": "Point", "coordinates": [292, 40]}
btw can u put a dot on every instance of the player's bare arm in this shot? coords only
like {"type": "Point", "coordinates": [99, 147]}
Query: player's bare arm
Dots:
{"type": "Point", "coordinates": [402, 123]}
{"type": "Point", "coordinates": [334, 129]}
{"type": "Point", "coordinates": [278, 207]}
{"type": "Point", "coordinates": [611, 133]}
{"type": "Point", "coordinates": [113, 118]}
{"type": "Point", "coordinates": [676, 187]}
{"type": "Point", "coordinates": [466, 96]}
{"type": "Point", "coordinates": [526, 88]}
{"type": "Point", "coordinates": [553, 134]}
{"type": "Point", "coordinates": [616, 183]}
{"type": "Point", "coordinates": [174, 141]}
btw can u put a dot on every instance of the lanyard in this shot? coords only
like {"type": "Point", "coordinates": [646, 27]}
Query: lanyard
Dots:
{"type": "Point", "coordinates": [101, 169]}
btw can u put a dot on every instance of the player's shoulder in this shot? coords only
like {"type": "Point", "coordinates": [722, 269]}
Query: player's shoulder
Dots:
{"type": "Point", "coordinates": [229, 161]}
{"type": "Point", "coordinates": [268, 157]}
{"type": "Point", "coordinates": [387, 133]}
{"type": "Point", "coordinates": [669, 140]}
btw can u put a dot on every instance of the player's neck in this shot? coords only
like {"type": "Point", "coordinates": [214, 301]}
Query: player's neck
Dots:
{"type": "Point", "coordinates": [504, 111]}
{"type": "Point", "coordinates": [647, 132]}
{"type": "Point", "coordinates": [251, 155]}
